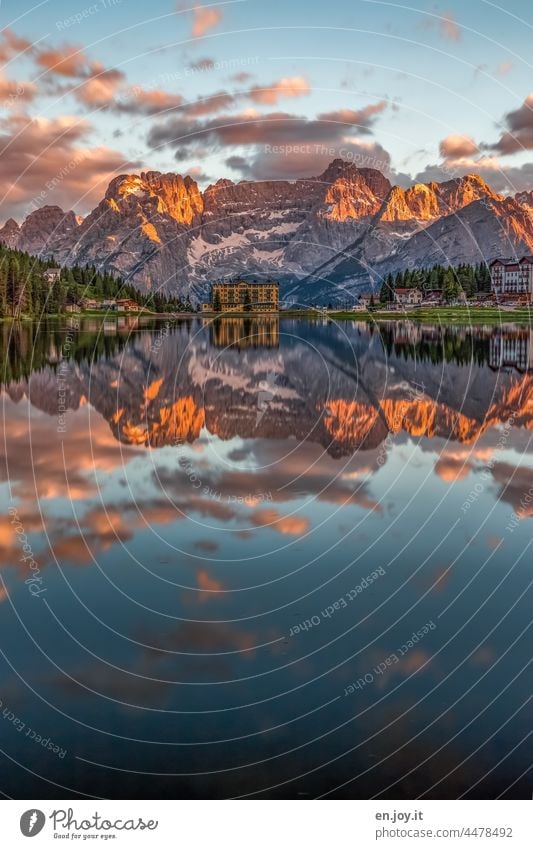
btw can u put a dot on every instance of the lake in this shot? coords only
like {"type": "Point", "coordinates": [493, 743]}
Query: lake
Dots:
{"type": "Point", "coordinates": [265, 557]}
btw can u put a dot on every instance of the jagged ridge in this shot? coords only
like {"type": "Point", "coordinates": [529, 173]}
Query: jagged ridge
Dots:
{"type": "Point", "coordinates": [346, 226]}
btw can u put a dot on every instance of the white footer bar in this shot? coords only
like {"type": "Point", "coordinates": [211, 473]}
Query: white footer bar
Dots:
{"type": "Point", "coordinates": [264, 824]}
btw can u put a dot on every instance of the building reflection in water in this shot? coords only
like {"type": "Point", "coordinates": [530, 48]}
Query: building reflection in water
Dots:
{"type": "Point", "coordinates": [249, 332]}
{"type": "Point", "coordinates": [512, 349]}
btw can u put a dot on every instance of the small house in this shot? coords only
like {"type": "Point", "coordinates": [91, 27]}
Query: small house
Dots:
{"type": "Point", "coordinates": [366, 298]}
{"type": "Point", "coordinates": [127, 305]}
{"type": "Point", "coordinates": [407, 297]}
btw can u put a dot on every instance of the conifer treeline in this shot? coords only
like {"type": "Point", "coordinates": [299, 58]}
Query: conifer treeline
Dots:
{"type": "Point", "coordinates": [25, 292]}
{"type": "Point", "coordinates": [470, 279]}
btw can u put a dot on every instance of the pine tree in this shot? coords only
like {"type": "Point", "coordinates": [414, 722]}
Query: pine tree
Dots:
{"type": "Point", "coordinates": [451, 288]}
{"type": "Point", "coordinates": [386, 294]}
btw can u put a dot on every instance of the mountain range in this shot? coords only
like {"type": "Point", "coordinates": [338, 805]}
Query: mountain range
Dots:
{"type": "Point", "coordinates": [324, 237]}
{"type": "Point", "coordinates": [343, 392]}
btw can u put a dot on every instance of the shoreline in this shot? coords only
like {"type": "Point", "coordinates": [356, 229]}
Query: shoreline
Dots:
{"type": "Point", "coordinates": [435, 315]}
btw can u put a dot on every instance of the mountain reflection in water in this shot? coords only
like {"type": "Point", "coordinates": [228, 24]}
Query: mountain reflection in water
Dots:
{"type": "Point", "coordinates": [234, 522]}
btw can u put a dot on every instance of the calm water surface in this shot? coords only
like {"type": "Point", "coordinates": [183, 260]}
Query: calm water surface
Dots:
{"type": "Point", "coordinates": [262, 558]}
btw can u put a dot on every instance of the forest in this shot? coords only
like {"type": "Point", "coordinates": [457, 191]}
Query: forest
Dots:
{"type": "Point", "coordinates": [26, 293]}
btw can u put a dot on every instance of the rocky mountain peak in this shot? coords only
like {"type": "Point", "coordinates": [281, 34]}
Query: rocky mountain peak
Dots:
{"type": "Point", "coordinates": [338, 169]}
{"type": "Point", "coordinates": [169, 194]}
{"type": "Point", "coordinates": [429, 201]}
{"type": "Point", "coordinates": [352, 192]}
{"type": "Point", "coordinates": [47, 230]}
{"type": "Point", "coordinates": [9, 233]}
{"type": "Point", "coordinates": [159, 230]}
{"type": "Point", "coordinates": [457, 193]}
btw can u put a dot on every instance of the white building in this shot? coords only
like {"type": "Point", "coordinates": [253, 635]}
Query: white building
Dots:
{"type": "Point", "coordinates": [407, 297]}
{"type": "Point", "coordinates": [512, 278]}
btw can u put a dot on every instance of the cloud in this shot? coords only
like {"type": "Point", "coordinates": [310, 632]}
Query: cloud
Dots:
{"type": "Point", "coordinates": [100, 89]}
{"type": "Point", "coordinates": [445, 22]}
{"type": "Point", "coordinates": [139, 101]}
{"type": "Point", "coordinates": [456, 146]}
{"type": "Point", "coordinates": [66, 61]}
{"type": "Point", "coordinates": [516, 487]}
{"type": "Point", "coordinates": [204, 19]}
{"type": "Point", "coordinates": [290, 525]}
{"type": "Point", "coordinates": [207, 105]}
{"type": "Point", "coordinates": [204, 64]}
{"type": "Point", "coordinates": [208, 587]}
{"type": "Point", "coordinates": [272, 128]}
{"type": "Point", "coordinates": [13, 92]}
{"type": "Point", "coordinates": [96, 87]}
{"type": "Point", "coordinates": [37, 465]}
{"type": "Point", "coordinates": [241, 77]}
{"type": "Point", "coordinates": [198, 174]}
{"type": "Point", "coordinates": [284, 145]}
{"type": "Point", "coordinates": [360, 118]}
{"type": "Point", "coordinates": [450, 468]}
{"type": "Point", "coordinates": [207, 545]}
{"type": "Point", "coordinates": [43, 162]}
{"type": "Point", "coordinates": [220, 100]}
{"type": "Point", "coordinates": [286, 87]}
{"type": "Point", "coordinates": [519, 129]}
{"type": "Point", "coordinates": [501, 177]}
{"type": "Point", "coordinates": [312, 160]}
{"type": "Point", "coordinates": [12, 44]}
{"type": "Point", "coordinates": [449, 28]}
{"type": "Point", "coordinates": [240, 164]}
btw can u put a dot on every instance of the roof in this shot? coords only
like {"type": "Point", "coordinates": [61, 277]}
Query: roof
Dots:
{"type": "Point", "coordinates": [509, 262]}
{"type": "Point", "coordinates": [404, 290]}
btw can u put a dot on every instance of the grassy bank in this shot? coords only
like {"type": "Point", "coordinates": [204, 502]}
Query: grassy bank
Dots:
{"type": "Point", "coordinates": [434, 315]}
{"type": "Point", "coordinates": [443, 315]}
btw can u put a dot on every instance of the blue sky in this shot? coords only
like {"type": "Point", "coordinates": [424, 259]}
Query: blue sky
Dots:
{"type": "Point", "coordinates": [248, 89]}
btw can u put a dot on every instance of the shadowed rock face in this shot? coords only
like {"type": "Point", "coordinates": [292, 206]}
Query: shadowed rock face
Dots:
{"type": "Point", "coordinates": [10, 232]}
{"type": "Point", "coordinates": [348, 225]}
{"type": "Point", "coordinates": [342, 391]}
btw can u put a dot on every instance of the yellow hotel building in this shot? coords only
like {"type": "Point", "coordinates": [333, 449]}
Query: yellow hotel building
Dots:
{"type": "Point", "coordinates": [241, 296]}
{"type": "Point", "coordinates": [253, 332]}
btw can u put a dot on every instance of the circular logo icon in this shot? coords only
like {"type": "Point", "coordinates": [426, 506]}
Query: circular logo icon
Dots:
{"type": "Point", "coordinates": [32, 822]}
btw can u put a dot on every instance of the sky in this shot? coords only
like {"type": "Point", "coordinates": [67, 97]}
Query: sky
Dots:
{"type": "Point", "coordinates": [250, 89]}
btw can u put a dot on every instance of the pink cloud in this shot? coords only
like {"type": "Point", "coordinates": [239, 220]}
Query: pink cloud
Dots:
{"type": "Point", "coordinates": [456, 146]}
{"type": "Point", "coordinates": [286, 525]}
{"type": "Point", "coordinates": [44, 161]}
{"type": "Point", "coordinates": [66, 61]}
{"type": "Point", "coordinates": [446, 24]}
{"type": "Point", "coordinates": [11, 44]}
{"type": "Point", "coordinates": [449, 28]}
{"type": "Point", "coordinates": [13, 92]}
{"type": "Point", "coordinates": [152, 102]}
{"type": "Point", "coordinates": [100, 89]}
{"type": "Point", "coordinates": [361, 118]}
{"type": "Point", "coordinates": [286, 87]}
{"type": "Point", "coordinates": [204, 19]}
